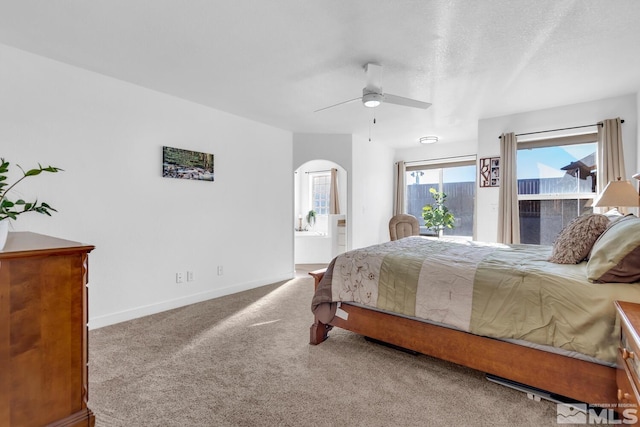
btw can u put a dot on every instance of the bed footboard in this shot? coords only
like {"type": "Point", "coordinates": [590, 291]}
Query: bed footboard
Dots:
{"type": "Point", "coordinates": [565, 376]}
{"type": "Point", "coordinates": [318, 331]}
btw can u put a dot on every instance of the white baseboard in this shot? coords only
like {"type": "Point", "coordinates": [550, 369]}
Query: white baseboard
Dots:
{"type": "Point", "coordinates": [134, 313]}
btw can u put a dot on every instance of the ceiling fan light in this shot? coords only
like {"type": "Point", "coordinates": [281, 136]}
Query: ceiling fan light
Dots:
{"type": "Point", "coordinates": [428, 139]}
{"type": "Point", "coordinates": [371, 99]}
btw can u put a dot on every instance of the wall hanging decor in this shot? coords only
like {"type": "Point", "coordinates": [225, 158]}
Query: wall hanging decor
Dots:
{"type": "Point", "coordinates": [490, 172]}
{"type": "Point", "coordinates": [186, 164]}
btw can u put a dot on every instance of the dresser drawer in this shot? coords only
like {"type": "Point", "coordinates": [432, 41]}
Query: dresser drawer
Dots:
{"type": "Point", "coordinates": [629, 354]}
{"type": "Point", "coordinates": [627, 391]}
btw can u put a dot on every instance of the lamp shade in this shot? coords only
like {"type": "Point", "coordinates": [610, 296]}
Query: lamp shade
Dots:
{"type": "Point", "coordinates": [617, 194]}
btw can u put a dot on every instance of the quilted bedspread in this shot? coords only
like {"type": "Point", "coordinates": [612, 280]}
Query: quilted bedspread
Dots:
{"type": "Point", "coordinates": [500, 291]}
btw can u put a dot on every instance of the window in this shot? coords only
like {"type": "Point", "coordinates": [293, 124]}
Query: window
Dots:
{"type": "Point", "coordinates": [556, 179]}
{"type": "Point", "coordinates": [457, 179]}
{"type": "Point", "coordinates": [320, 188]}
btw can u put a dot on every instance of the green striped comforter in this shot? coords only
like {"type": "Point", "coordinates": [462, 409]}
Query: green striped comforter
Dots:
{"type": "Point", "coordinates": [493, 290]}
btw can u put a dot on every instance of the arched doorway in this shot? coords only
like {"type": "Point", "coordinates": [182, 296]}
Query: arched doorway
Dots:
{"type": "Point", "coordinates": [320, 237]}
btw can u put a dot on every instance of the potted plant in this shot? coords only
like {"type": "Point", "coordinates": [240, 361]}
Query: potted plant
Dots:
{"type": "Point", "coordinates": [10, 210]}
{"type": "Point", "coordinates": [311, 218]}
{"type": "Point", "coordinates": [437, 216]}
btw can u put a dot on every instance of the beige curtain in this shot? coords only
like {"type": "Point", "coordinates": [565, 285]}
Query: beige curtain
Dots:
{"type": "Point", "coordinates": [398, 199]}
{"type": "Point", "coordinates": [610, 155]}
{"type": "Point", "coordinates": [334, 202]}
{"type": "Point", "coordinates": [508, 212]}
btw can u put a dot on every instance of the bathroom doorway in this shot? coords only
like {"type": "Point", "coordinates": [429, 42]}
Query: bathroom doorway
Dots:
{"type": "Point", "coordinates": [320, 232]}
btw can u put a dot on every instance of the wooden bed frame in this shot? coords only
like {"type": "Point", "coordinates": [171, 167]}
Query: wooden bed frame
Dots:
{"type": "Point", "coordinates": [560, 375]}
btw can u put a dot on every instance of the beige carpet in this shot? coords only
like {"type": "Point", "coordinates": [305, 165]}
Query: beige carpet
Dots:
{"type": "Point", "coordinates": [244, 360]}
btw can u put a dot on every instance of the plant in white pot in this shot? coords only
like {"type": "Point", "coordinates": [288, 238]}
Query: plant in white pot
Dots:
{"type": "Point", "coordinates": [10, 210]}
{"type": "Point", "coordinates": [311, 218]}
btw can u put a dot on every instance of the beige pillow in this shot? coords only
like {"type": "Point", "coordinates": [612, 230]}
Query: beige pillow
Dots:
{"type": "Point", "coordinates": [575, 241]}
{"type": "Point", "coordinates": [615, 256]}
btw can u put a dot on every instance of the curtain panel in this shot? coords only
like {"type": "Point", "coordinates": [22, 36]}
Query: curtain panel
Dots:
{"type": "Point", "coordinates": [508, 210]}
{"type": "Point", "coordinates": [334, 200]}
{"type": "Point", "coordinates": [399, 191]}
{"type": "Point", "coordinates": [610, 153]}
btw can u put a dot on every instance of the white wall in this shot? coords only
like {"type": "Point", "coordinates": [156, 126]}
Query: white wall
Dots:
{"type": "Point", "coordinates": [637, 170]}
{"type": "Point", "coordinates": [108, 136]}
{"type": "Point", "coordinates": [439, 150]}
{"type": "Point", "coordinates": [372, 194]}
{"type": "Point", "coordinates": [625, 107]}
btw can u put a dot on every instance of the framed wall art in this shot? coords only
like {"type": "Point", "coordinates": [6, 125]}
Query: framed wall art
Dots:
{"type": "Point", "coordinates": [186, 164]}
{"type": "Point", "coordinates": [490, 172]}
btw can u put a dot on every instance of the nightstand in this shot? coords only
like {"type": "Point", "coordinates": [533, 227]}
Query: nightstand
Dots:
{"type": "Point", "coordinates": [628, 366]}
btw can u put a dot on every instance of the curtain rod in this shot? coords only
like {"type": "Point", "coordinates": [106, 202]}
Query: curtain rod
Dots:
{"type": "Point", "coordinates": [328, 170]}
{"type": "Point", "coordinates": [555, 130]}
{"type": "Point", "coordinates": [440, 158]}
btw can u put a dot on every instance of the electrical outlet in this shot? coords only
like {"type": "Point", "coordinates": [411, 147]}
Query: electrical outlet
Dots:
{"type": "Point", "coordinates": [220, 271]}
{"type": "Point", "coordinates": [190, 277]}
{"type": "Point", "coordinates": [179, 277]}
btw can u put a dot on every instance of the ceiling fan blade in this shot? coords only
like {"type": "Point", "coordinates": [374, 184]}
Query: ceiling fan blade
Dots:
{"type": "Point", "coordinates": [339, 103]}
{"type": "Point", "coordinates": [374, 77]}
{"type": "Point", "coordinates": [407, 102]}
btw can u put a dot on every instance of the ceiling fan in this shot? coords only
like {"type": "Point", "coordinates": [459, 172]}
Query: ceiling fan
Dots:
{"type": "Point", "coordinates": [372, 94]}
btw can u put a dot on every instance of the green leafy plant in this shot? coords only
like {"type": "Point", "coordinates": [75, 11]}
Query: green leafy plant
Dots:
{"type": "Point", "coordinates": [10, 209]}
{"type": "Point", "coordinates": [437, 216]}
{"type": "Point", "coordinates": [311, 217]}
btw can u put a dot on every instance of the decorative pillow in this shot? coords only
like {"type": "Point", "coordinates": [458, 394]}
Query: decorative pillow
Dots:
{"type": "Point", "coordinates": [615, 256]}
{"type": "Point", "coordinates": [575, 241]}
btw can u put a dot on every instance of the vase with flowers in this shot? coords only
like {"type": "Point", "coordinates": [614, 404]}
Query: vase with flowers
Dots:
{"type": "Point", "coordinates": [10, 210]}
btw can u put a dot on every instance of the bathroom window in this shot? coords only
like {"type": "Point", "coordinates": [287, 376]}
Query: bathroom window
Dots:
{"type": "Point", "coordinates": [320, 188]}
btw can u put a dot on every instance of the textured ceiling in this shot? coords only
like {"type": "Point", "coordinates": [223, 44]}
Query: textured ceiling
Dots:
{"type": "Point", "coordinates": [277, 61]}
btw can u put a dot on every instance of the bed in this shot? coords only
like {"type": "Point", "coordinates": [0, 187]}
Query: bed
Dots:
{"type": "Point", "coordinates": [501, 309]}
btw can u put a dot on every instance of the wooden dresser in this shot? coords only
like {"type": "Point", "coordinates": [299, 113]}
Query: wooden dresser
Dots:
{"type": "Point", "coordinates": [43, 332]}
{"type": "Point", "coordinates": [628, 366]}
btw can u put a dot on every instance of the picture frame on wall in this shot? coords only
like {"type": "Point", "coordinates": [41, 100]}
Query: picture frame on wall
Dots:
{"type": "Point", "coordinates": [490, 172]}
{"type": "Point", "coordinates": [187, 164]}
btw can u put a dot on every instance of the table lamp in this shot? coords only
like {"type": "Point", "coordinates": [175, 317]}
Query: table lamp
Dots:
{"type": "Point", "coordinates": [618, 194]}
